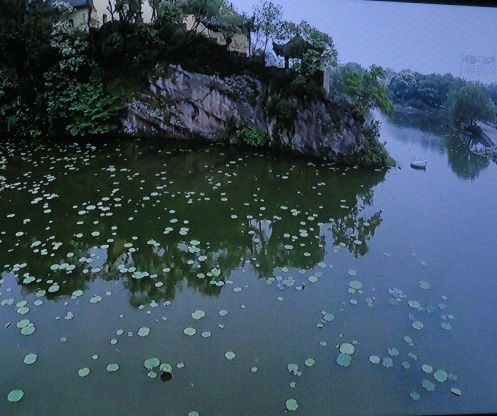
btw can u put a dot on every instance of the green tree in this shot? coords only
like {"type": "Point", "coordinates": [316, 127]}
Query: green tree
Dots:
{"type": "Point", "coordinates": [468, 105]}
{"type": "Point", "coordinates": [127, 11]}
{"type": "Point", "coordinates": [203, 10]}
{"type": "Point", "coordinates": [170, 12]}
{"type": "Point", "coordinates": [323, 53]}
{"type": "Point", "coordinates": [76, 102]}
{"type": "Point", "coordinates": [268, 24]}
{"type": "Point", "coordinates": [403, 86]}
{"type": "Point", "coordinates": [366, 89]}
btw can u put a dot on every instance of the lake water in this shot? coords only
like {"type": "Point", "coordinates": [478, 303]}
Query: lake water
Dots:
{"type": "Point", "coordinates": [289, 260]}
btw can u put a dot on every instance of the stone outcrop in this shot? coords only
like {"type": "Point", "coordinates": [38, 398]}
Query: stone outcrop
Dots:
{"type": "Point", "coordinates": [192, 106]}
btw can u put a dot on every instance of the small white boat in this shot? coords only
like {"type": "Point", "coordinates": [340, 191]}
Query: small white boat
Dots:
{"type": "Point", "coordinates": [418, 164]}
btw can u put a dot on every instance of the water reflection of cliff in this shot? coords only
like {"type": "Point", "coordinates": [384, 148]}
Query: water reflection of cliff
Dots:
{"type": "Point", "coordinates": [162, 217]}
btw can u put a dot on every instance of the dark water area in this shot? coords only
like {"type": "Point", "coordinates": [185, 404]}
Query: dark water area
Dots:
{"type": "Point", "coordinates": [309, 273]}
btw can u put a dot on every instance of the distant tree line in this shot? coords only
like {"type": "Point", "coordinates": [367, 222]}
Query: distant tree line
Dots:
{"type": "Point", "coordinates": [463, 102]}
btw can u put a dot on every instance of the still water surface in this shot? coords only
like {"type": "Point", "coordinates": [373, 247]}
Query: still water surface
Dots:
{"type": "Point", "coordinates": [288, 259]}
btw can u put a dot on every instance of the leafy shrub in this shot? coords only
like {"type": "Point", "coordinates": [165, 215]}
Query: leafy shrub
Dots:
{"type": "Point", "coordinates": [80, 108]}
{"type": "Point", "coordinates": [15, 117]}
{"type": "Point", "coordinates": [373, 154]}
{"type": "Point", "coordinates": [254, 138]}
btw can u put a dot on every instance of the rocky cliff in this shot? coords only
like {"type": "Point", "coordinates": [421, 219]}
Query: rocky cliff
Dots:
{"type": "Point", "coordinates": [191, 106]}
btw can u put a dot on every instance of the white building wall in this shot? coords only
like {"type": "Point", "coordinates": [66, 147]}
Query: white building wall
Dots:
{"type": "Point", "coordinates": [102, 15]}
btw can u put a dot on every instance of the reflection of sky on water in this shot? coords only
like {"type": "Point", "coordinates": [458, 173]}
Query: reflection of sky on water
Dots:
{"type": "Point", "coordinates": [422, 37]}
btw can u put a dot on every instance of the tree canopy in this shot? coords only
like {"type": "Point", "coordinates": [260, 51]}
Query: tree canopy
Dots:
{"type": "Point", "coordinates": [268, 24]}
{"type": "Point", "coordinates": [470, 104]}
{"type": "Point", "coordinates": [364, 88]}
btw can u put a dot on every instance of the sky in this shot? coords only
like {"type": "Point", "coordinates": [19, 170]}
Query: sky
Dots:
{"type": "Point", "coordinates": [426, 38]}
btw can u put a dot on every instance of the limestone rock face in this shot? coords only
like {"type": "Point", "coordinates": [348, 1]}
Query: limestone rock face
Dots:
{"type": "Point", "coordinates": [193, 106]}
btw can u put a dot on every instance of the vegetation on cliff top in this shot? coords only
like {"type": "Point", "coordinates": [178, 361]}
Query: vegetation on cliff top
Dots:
{"type": "Point", "coordinates": [61, 80]}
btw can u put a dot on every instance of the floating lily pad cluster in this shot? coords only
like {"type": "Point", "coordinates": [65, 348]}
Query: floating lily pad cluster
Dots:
{"type": "Point", "coordinates": [154, 366]}
{"type": "Point", "coordinates": [174, 254]}
{"type": "Point", "coordinates": [344, 359]}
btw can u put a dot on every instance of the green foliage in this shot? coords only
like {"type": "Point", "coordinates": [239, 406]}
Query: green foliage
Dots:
{"type": "Point", "coordinates": [81, 109]}
{"type": "Point", "coordinates": [267, 26]}
{"type": "Point", "coordinates": [365, 89]}
{"type": "Point", "coordinates": [323, 54]}
{"type": "Point", "coordinates": [468, 105]}
{"type": "Point", "coordinates": [126, 11]}
{"type": "Point", "coordinates": [420, 91]}
{"type": "Point", "coordinates": [284, 111]}
{"type": "Point", "coordinates": [168, 12]}
{"type": "Point", "coordinates": [76, 103]}
{"type": "Point", "coordinates": [492, 91]}
{"type": "Point", "coordinates": [310, 51]}
{"type": "Point", "coordinates": [15, 117]}
{"type": "Point", "coordinates": [373, 154]}
{"type": "Point", "coordinates": [254, 138]}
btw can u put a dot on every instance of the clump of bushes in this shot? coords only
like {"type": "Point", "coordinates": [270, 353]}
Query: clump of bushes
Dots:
{"type": "Point", "coordinates": [252, 137]}
{"type": "Point", "coordinates": [373, 154]}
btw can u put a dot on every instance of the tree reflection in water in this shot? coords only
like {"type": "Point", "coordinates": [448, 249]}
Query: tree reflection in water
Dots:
{"type": "Point", "coordinates": [130, 211]}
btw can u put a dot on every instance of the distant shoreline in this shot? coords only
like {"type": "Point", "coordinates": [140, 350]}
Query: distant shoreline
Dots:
{"type": "Point", "coordinates": [406, 109]}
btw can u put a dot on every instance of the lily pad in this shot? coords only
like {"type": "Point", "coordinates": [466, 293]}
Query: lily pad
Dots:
{"type": "Point", "coordinates": [455, 391]}
{"type": "Point", "coordinates": [424, 285]}
{"type": "Point", "coordinates": [95, 299]}
{"type": "Point", "coordinates": [387, 362]}
{"type": "Point", "coordinates": [54, 288]}
{"type": "Point", "coordinates": [83, 372]}
{"type": "Point", "coordinates": [427, 368]}
{"type": "Point", "coordinates": [344, 360]}
{"type": "Point", "coordinates": [355, 284]}
{"type": "Point", "coordinates": [22, 323]}
{"type": "Point", "coordinates": [144, 331]}
{"type": "Point", "coordinates": [28, 329]}
{"type": "Point", "coordinates": [347, 348]}
{"type": "Point", "coordinates": [446, 326]}
{"type": "Point", "coordinates": [30, 358]}
{"type": "Point", "coordinates": [309, 362]}
{"type": "Point", "coordinates": [230, 355]}
{"type": "Point", "coordinates": [23, 310]}
{"type": "Point", "coordinates": [329, 317]}
{"type": "Point", "coordinates": [414, 304]}
{"type": "Point", "coordinates": [417, 325]}
{"type": "Point", "coordinates": [292, 405]}
{"type": "Point", "coordinates": [293, 368]}
{"type": "Point", "coordinates": [415, 396]}
{"type": "Point", "coordinates": [111, 368]}
{"type": "Point", "coordinates": [198, 314]}
{"type": "Point", "coordinates": [15, 395]}
{"type": "Point", "coordinates": [428, 385]}
{"type": "Point", "coordinates": [441, 376]}
{"type": "Point", "coordinates": [394, 352]}
{"type": "Point", "coordinates": [190, 331]}
{"type": "Point", "coordinates": [151, 363]}
{"type": "Point", "coordinates": [167, 368]}
{"type": "Point", "coordinates": [374, 359]}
